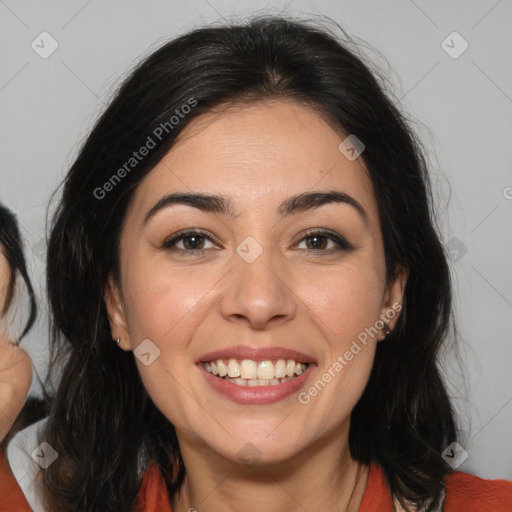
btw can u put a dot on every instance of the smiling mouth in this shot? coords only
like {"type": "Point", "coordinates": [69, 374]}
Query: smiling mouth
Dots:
{"type": "Point", "coordinates": [247, 372]}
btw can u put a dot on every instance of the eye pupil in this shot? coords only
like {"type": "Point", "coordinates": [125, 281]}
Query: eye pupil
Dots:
{"type": "Point", "coordinates": [192, 237]}
{"type": "Point", "coordinates": [317, 237]}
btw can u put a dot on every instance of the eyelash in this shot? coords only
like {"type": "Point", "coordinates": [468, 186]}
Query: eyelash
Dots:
{"type": "Point", "coordinates": [343, 244]}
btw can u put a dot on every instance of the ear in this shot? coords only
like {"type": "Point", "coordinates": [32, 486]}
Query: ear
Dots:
{"type": "Point", "coordinates": [116, 315]}
{"type": "Point", "coordinates": [393, 299]}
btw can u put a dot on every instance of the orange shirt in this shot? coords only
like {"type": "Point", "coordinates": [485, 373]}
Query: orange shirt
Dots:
{"type": "Point", "coordinates": [464, 493]}
{"type": "Point", "coordinates": [11, 497]}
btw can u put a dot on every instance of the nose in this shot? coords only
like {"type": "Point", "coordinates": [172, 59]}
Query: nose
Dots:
{"type": "Point", "coordinates": [258, 293]}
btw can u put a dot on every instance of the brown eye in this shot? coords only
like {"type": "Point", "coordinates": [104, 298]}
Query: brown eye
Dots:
{"type": "Point", "coordinates": [319, 240]}
{"type": "Point", "coordinates": [193, 242]}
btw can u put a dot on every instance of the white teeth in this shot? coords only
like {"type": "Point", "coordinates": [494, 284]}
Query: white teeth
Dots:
{"type": "Point", "coordinates": [233, 368]}
{"type": "Point", "coordinates": [252, 373]}
{"type": "Point", "coordinates": [259, 382]}
{"type": "Point", "coordinates": [280, 369]}
{"type": "Point", "coordinates": [223, 369]}
{"type": "Point", "coordinates": [249, 369]}
{"type": "Point", "coordinates": [266, 370]}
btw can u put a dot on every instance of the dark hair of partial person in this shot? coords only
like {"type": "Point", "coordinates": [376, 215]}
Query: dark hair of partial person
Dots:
{"type": "Point", "coordinates": [12, 248]}
{"type": "Point", "coordinates": [102, 422]}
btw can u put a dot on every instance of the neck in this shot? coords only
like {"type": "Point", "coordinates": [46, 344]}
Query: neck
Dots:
{"type": "Point", "coordinates": [322, 477]}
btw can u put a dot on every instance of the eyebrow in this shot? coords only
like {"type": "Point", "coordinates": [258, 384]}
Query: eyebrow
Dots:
{"type": "Point", "coordinates": [224, 205]}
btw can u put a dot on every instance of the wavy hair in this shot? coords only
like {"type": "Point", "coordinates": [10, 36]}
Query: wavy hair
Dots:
{"type": "Point", "coordinates": [102, 423]}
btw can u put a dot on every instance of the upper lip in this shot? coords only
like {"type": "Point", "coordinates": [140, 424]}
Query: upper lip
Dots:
{"type": "Point", "coordinates": [256, 354]}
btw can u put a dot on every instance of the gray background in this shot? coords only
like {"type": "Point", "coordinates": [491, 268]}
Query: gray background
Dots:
{"type": "Point", "coordinates": [462, 107]}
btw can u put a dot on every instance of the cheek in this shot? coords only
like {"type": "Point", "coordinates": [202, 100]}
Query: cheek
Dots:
{"type": "Point", "coordinates": [346, 305]}
{"type": "Point", "coordinates": [346, 301]}
{"type": "Point", "coordinates": [166, 306]}
{"type": "Point", "coordinates": [161, 299]}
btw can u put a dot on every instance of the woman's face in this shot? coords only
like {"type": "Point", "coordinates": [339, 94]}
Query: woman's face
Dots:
{"type": "Point", "coordinates": [256, 280]}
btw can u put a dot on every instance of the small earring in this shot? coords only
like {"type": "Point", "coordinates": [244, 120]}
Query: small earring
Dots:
{"type": "Point", "coordinates": [118, 341]}
{"type": "Point", "coordinates": [386, 329]}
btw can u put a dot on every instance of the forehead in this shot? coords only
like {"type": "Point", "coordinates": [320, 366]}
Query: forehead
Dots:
{"type": "Point", "coordinates": [258, 154]}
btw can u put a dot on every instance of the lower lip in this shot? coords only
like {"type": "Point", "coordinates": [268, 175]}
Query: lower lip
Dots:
{"type": "Point", "coordinates": [257, 394]}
